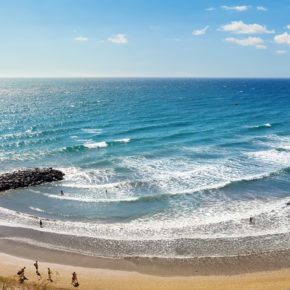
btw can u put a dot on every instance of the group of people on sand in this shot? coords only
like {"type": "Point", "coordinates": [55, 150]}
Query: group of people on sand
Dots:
{"type": "Point", "coordinates": [22, 277]}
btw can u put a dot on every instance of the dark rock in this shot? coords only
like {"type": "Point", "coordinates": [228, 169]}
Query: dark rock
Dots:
{"type": "Point", "coordinates": [29, 177]}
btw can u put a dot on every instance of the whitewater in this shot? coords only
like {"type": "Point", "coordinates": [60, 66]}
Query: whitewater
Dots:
{"type": "Point", "coordinates": [153, 167]}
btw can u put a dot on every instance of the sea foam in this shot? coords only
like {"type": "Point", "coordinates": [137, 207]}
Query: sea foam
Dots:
{"type": "Point", "coordinates": [125, 140]}
{"type": "Point", "coordinates": [93, 145]}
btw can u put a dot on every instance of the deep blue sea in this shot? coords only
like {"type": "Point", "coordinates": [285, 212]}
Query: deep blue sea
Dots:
{"type": "Point", "coordinates": [162, 167]}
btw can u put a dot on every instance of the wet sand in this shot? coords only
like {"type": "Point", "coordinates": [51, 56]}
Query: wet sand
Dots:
{"type": "Point", "coordinates": [97, 278]}
{"type": "Point", "coordinates": [230, 265]}
{"type": "Point", "coordinates": [269, 270]}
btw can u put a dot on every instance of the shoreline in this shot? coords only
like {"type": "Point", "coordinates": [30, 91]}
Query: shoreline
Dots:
{"type": "Point", "coordinates": [99, 278]}
{"type": "Point", "coordinates": [182, 248]}
{"type": "Point", "coordinates": [166, 267]}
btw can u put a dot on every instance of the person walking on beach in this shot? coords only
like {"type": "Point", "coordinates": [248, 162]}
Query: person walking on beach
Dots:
{"type": "Point", "coordinates": [36, 268]}
{"type": "Point", "coordinates": [40, 223]}
{"type": "Point", "coordinates": [20, 272]}
{"type": "Point", "coordinates": [49, 275]}
{"type": "Point", "coordinates": [75, 282]}
{"type": "Point", "coordinates": [21, 275]}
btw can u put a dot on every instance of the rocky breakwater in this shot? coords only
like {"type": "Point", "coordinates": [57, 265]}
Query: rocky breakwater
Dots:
{"type": "Point", "coordinates": [29, 177]}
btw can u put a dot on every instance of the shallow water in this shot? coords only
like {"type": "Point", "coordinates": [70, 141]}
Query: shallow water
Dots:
{"type": "Point", "coordinates": [162, 162]}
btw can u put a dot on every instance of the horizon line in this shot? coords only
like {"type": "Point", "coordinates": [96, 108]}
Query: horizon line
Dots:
{"type": "Point", "coordinates": [140, 77]}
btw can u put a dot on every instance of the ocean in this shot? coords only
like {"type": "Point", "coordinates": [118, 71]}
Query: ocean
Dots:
{"type": "Point", "coordinates": [153, 167]}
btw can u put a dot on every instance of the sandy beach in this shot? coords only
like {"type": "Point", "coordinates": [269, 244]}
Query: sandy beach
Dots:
{"type": "Point", "coordinates": [145, 145]}
{"type": "Point", "coordinates": [90, 278]}
{"type": "Point", "coordinates": [269, 270]}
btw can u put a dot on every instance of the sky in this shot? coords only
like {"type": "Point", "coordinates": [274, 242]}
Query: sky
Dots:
{"type": "Point", "coordinates": [144, 38]}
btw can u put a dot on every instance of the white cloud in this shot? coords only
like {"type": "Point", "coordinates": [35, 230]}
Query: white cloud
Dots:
{"type": "Point", "coordinates": [288, 26]}
{"type": "Point", "coordinates": [283, 38]}
{"type": "Point", "coordinates": [261, 8]}
{"type": "Point", "coordinates": [210, 9]}
{"type": "Point", "coordinates": [280, 51]}
{"type": "Point", "coordinates": [239, 27]}
{"type": "Point", "coordinates": [261, 46]}
{"type": "Point", "coordinates": [81, 38]}
{"type": "Point", "coordinates": [250, 41]}
{"type": "Point", "coordinates": [200, 32]}
{"type": "Point", "coordinates": [236, 8]}
{"type": "Point", "coordinates": [118, 38]}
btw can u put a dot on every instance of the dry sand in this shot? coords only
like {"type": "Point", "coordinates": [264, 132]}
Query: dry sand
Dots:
{"type": "Point", "coordinates": [90, 278]}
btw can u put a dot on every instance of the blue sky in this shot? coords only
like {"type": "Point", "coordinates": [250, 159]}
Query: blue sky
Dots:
{"type": "Point", "coordinates": [138, 38]}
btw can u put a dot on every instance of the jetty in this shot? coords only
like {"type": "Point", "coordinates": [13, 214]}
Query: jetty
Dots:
{"type": "Point", "coordinates": [29, 177]}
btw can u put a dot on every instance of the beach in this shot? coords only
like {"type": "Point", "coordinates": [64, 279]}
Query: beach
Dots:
{"type": "Point", "coordinates": [145, 145]}
{"type": "Point", "coordinates": [167, 182]}
{"type": "Point", "coordinates": [269, 270]}
{"type": "Point", "coordinates": [100, 278]}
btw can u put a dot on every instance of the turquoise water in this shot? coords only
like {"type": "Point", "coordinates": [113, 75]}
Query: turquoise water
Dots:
{"type": "Point", "coordinates": [149, 159]}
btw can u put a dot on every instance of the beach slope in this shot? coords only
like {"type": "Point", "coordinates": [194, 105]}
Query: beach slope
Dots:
{"type": "Point", "coordinates": [90, 278]}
